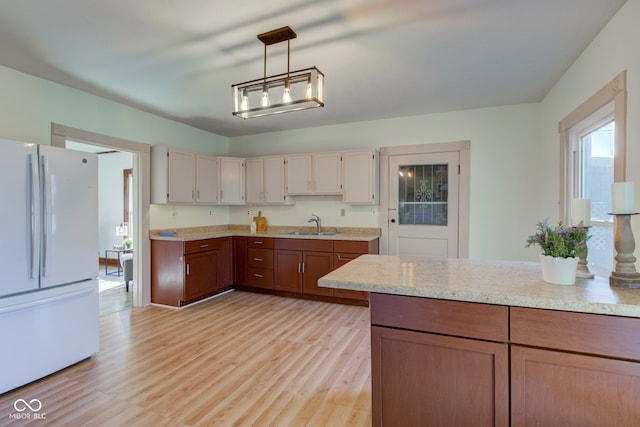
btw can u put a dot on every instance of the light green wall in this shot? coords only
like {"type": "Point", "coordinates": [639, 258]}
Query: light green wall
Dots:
{"type": "Point", "coordinates": [28, 106]}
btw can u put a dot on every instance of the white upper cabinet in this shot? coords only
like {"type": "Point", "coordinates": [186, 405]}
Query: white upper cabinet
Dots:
{"type": "Point", "coordinates": [360, 174]}
{"type": "Point", "coordinates": [206, 179]}
{"type": "Point", "coordinates": [318, 173]}
{"type": "Point", "coordinates": [299, 174]}
{"type": "Point", "coordinates": [327, 173]}
{"type": "Point", "coordinates": [231, 181]}
{"type": "Point", "coordinates": [266, 181]}
{"type": "Point", "coordinates": [255, 181]}
{"type": "Point", "coordinates": [274, 181]}
{"type": "Point", "coordinates": [180, 176]}
{"type": "Point", "coordinates": [173, 175]}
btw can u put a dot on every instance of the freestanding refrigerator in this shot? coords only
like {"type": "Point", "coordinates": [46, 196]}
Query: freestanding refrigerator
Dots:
{"type": "Point", "coordinates": [48, 260]}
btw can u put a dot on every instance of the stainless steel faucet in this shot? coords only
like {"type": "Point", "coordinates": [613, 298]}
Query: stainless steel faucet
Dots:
{"type": "Point", "coordinates": [318, 222]}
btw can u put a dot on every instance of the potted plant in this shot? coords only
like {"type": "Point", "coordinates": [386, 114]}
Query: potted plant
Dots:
{"type": "Point", "coordinates": [127, 243]}
{"type": "Point", "coordinates": [560, 246]}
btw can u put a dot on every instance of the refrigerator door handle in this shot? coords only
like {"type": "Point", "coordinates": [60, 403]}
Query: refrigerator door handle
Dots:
{"type": "Point", "coordinates": [44, 200]}
{"type": "Point", "coordinates": [31, 211]}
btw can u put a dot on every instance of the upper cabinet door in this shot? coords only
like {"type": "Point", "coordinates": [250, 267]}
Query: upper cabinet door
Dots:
{"type": "Point", "coordinates": [182, 176]}
{"type": "Point", "coordinates": [274, 181]}
{"type": "Point", "coordinates": [206, 180]}
{"type": "Point", "coordinates": [327, 173]}
{"type": "Point", "coordinates": [232, 181]}
{"type": "Point", "coordinates": [255, 181]}
{"type": "Point", "coordinates": [360, 177]}
{"type": "Point", "coordinates": [299, 174]}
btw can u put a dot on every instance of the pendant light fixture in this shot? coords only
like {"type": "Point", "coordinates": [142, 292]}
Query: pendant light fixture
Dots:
{"type": "Point", "coordinates": [280, 93]}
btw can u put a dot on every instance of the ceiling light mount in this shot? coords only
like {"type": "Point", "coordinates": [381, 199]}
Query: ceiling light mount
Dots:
{"type": "Point", "coordinates": [281, 93]}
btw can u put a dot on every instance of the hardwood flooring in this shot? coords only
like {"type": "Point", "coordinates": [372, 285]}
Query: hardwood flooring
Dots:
{"type": "Point", "coordinates": [241, 359]}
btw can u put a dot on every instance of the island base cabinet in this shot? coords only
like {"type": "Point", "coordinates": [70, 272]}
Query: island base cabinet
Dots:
{"type": "Point", "coordinates": [422, 379]}
{"type": "Point", "coordinates": [557, 388]}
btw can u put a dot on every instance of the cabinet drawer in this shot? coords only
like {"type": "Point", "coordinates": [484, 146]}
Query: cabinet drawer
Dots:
{"type": "Point", "coordinates": [260, 278]}
{"type": "Point", "coordinates": [464, 319]}
{"type": "Point", "coordinates": [351, 246]}
{"type": "Point", "coordinates": [304, 245]}
{"type": "Point", "coordinates": [194, 246]}
{"type": "Point", "coordinates": [578, 332]}
{"type": "Point", "coordinates": [260, 258]}
{"type": "Point", "coordinates": [260, 242]}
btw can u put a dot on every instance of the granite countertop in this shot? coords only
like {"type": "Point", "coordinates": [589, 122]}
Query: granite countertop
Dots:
{"type": "Point", "coordinates": [495, 282]}
{"type": "Point", "coordinates": [209, 232]}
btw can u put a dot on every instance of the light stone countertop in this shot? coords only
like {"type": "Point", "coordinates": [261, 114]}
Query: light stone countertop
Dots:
{"type": "Point", "coordinates": [280, 232]}
{"type": "Point", "coordinates": [494, 282]}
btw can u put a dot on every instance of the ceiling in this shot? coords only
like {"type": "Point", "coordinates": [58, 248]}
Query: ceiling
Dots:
{"type": "Point", "coordinates": [381, 58]}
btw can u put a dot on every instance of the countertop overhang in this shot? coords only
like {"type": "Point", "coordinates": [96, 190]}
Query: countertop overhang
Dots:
{"type": "Point", "coordinates": [510, 283]}
{"type": "Point", "coordinates": [279, 232]}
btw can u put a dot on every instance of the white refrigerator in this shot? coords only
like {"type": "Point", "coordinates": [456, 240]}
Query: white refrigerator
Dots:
{"type": "Point", "coordinates": [48, 260]}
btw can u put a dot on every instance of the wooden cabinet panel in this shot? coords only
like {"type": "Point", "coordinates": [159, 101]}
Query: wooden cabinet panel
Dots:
{"type": "Point", "coordinates": [356, 246]}
{"type": "Point", "coordinates": [200, 275]}
{"type": "Point", "coordinates": [465, 319]}
{"type": "Point", "coordinates": [421, 379]}
{"type": "Point", "coordinates": [260, 278]}
{"type": "Point", "coordinates": [240, 262]}
{"type": "Point", "coordinates": [225, 263]}
{"type": "Point", "coordinates": [260, 242]}
{"type": "Point", "coordinates": [557, 388]}
{"type": "Point", "coordinates": [576, 332]}
{"type": "Point", "coordinates": [316, 265]}
{"type": "Point", "coordinates": [287, 267]}
{"type": "Point", "coordinates": [304, 245]}
{"type": "Point", "coordinates": [260, 258]}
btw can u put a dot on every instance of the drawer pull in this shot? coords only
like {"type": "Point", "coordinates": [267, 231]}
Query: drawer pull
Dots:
{"type": "Point", "coordinates": [345, 259]}
{"type": "Point", "coordinates": [204, 246]}
{"type": "Point", "coordinates": [258, 243]}
{"type": "Point", "coordinates": [260, 276]}
{"type": "Point", "coordinates": [258, 259]}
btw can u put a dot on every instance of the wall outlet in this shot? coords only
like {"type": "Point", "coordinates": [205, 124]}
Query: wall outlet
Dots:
{"type": "Point", "coordinates": [249, 213]}
{"type": "Point", "coordinates": [210, 212]}
{"type": "Point", "coordinates": [343, 211]}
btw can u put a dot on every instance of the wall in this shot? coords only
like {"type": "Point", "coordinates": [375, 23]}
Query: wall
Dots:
{"type": "Point", "coordinates": [504, 165]}
{"type": "Point", "coordinates": [29, 105]}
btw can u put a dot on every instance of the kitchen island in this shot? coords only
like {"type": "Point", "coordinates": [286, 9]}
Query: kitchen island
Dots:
{"type": "Point", "coordinates": [470, 342]}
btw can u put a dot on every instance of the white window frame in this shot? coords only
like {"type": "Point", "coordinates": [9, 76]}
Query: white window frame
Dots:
{"type": "Point", "coordinates": [609, 102]}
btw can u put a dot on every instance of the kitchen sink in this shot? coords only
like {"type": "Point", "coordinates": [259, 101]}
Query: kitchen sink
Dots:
{"type": "Point", "coordinates": [314, 233]}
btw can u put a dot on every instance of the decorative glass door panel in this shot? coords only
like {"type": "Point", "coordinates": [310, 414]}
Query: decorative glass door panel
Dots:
{"type": "Point", "coordinates": [423, 194]}
{"type": "Point", "coordinates": [423, 204]}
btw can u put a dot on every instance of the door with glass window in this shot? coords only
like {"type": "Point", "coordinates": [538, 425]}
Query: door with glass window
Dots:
{"type": "Point", "coordinates": [423, 204]}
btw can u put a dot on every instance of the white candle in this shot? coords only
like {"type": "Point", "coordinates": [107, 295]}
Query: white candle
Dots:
{"type": "Point", "coordinates": [622, 198]}
{"type": "Point", "coordinates": [581, 211]}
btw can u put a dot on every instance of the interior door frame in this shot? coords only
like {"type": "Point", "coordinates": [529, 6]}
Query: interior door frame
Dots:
{"type": "Point", "coordinates": [141, 199]}
{"type": "Point", "coordinates": [463, 148]}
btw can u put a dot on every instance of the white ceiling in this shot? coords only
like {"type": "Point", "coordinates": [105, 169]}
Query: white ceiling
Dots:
{"type": "Point", "coordinates": [381, 59]}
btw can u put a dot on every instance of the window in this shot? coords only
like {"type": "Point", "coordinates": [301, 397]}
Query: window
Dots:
{"type": "Point", "coordinates": [593, 141]}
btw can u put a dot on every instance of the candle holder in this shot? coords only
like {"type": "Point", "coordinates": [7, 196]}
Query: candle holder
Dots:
{"type": "Point", "coordinates": [625, 274]}
{"type": "Point", "coordinates": [582, 271]}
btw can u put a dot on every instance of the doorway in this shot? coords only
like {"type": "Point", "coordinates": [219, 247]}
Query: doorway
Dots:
{"type": "Point", "coordinates": [138, 202]}
{"type": "Point", "coordinates": [425, 200]}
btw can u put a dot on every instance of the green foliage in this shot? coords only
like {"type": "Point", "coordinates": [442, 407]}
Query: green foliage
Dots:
{"type": "Point", "coordinates": [559, 241]}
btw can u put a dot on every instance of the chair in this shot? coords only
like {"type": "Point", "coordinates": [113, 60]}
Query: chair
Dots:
{"type": "Point", "coordinates": [127, 267]}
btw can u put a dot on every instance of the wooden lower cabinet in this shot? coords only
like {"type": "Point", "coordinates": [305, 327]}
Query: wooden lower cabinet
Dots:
{"type": "Point", "coordinates": [439, 362]}
{"type": "Point", "coordinates": [422, 376]}
{"type": "Point", "coordinates": [240, 260]}
{"type": "Point", "coordinates": [314, 266]}
{"type": "Point", "coordinates": [574, 369]}
{"type": "Point", "coordinates": [185, 272]}
{"type": "Point", "coordinates": [554, 388]}
{"type": "Point", "coordinates": [421, 379]}
{"type": "Point", "coordinates": [287, 267]}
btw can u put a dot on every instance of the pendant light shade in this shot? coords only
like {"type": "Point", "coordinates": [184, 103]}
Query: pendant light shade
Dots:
{"type": "Point", "coordinates": [280, 93]}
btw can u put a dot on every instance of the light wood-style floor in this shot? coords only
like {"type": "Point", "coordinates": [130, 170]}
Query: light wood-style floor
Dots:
{"type": "Point", "coordinates": [241, 359]}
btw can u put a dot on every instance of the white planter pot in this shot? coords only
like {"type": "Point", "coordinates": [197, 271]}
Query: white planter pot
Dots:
{"type": "Point", "coordinates": [559, 271]}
